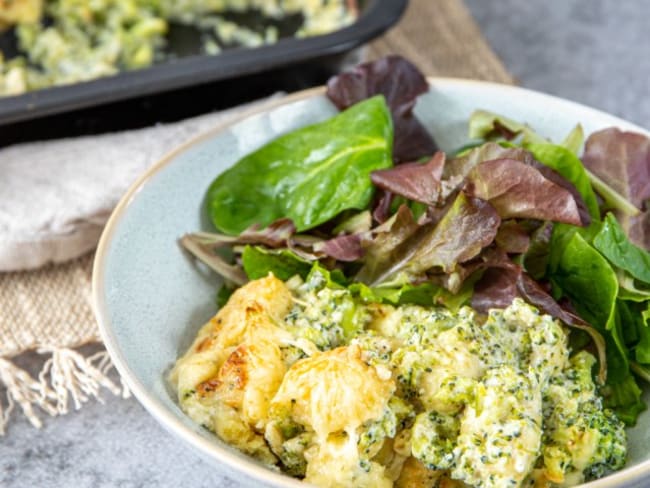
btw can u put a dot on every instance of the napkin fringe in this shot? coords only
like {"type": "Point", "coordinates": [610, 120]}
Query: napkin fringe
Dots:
{"type": "Point", "coordinates": [66, 378]}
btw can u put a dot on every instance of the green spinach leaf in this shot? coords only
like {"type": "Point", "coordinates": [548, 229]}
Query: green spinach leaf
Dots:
{"type": "Point", "coordinates": [624, 397]}
{"type": "Point", "coordinates": [309, 175]}
{"type": "Point", "coordinates": [587, 279]}
{"type": "Point", "coordinates": [612, 243]}
{"type": "Point", "coordinates": [536, 258]}
{"type": "Point", "coordinates": [642, 348]}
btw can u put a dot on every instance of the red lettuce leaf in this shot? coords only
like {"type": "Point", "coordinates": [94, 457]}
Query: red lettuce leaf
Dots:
{"type": "Point", "coordinates": [470, 225]}
{"type": "Point", "coordinates": [345, 248]}
{"type": "Point", "coordinates": [536, 258]}
{"type": "Point", "coordinates": [558, 179]}
{"type": "Point", "coordinates": [207, 253]}
{"type": "Point", "coordinates": [383, 249]}
{"type": "Point", "coordinates": [512, 238]}
{"type": "Point", "coordinates": [458, 169]}
{"type": "Point", "coordinates": [381, 211]}
{"type": "Point", "coordinates": [275, 235]}
{"type": "Point", "coordinates": [517, 190]}
{"type": "Point", "coordinates": [401, 83]}
{"type": "Point", "coordinates": [639, 230]}
{"type": "Point", "coordinates": [497, 288]}
{"type": "Point", "coordinates": [415, 181]}
{"type": "Point", "coordinates": [410, 249]}
{"type": "Point", "coordinates": [205, 246]}
{"type": "Point", "coordinates": [622, 160]}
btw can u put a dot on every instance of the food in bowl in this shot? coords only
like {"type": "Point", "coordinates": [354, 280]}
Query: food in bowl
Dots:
{"type": "Point", "coordinates": [304, 376]}
{"type": "Point", "coordinates": [66, 41]}
{"type": "Point", "coordinates": [17, 11]}
{"type": "Point", "coordinates": [395, 316]}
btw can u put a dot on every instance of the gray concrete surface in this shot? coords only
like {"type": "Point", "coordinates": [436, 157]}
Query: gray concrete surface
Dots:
{"type": "Point", "coordinates": [591, 51]}
{"type": "Point", "coordinates": [596, 52]}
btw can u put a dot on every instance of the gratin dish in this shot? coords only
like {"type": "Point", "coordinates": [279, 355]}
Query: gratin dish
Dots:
{"type": "Point", "coordinates": [150, 300]}
{"type": "Point", "coordinates": [190, 70]}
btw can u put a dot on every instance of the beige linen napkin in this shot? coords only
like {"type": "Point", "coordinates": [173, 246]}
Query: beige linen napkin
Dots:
{"type": "Point", "coordinates": [49, 310]}
{"type": "Point", "coordinates": [56, 197]}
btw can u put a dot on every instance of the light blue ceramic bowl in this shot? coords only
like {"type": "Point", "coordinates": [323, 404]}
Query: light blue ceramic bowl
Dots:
{"type": "Point", "coordinates": [150, 298]}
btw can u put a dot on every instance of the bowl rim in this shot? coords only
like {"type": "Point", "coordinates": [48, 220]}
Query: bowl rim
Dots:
{"type": "Point", "coordinates": [208, 449]}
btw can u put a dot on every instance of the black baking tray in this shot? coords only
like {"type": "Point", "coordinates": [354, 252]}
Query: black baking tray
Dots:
{"type": "Point", "coordinates": [237, 65]}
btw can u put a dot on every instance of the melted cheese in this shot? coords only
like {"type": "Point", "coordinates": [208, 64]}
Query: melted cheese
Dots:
{"type": "Point", "coordinates": [19, 11]}
{"type": "Point", "coordinates": [334, 463]}
{"type": "Point", "coordinates": [249, 316]}
{"type": "Point", "coordinates": [346, 394]}
{"type": "Point", "coordinates": [333, 391]}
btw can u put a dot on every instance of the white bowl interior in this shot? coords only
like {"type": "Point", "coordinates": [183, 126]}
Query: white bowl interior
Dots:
{"type": "Point", "coordinates": [150, 298]}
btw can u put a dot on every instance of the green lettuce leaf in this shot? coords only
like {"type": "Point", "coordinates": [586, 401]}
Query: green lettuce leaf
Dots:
{"type": "Point", "coordinates": [629, 320]}
{"type": "Point", "coordinates": [424, 294]}
{"type": "Point", "coordinates": [319, 277]}
{"type": "Point", "coordinates": [258, 262]}
{"type": "Point", "coordinates": [574, 140]}
{"type": "Point", "coordinates": [309, 175]}
{"type": "Point", "coordinates": [629, 290]}
{"type": "Point", "coordinates": [489, 125]}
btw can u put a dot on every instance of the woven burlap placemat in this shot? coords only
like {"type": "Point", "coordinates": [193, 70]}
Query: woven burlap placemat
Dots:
{"type": "Point", "coordinates": [49, 310]}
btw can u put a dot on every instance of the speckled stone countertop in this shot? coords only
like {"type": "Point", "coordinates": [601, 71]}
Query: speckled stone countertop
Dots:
{"type": "Point", "coordinates": [590, 51]}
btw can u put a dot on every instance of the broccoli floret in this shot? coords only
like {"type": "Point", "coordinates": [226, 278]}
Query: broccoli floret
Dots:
{"type": "Point", "coordinates": [329, 317]}
{"type": "Point", "coordinates": [288, 441]}
{"type": "Point", "coordinates": [583, 440]}
{"type": "Point", "coordinates": [292, 454]}
{"type": "Point", "coordinates": [611, 452]}
{"type": "Point", "coordinates": [397, 415]}
{"type": "Point", "coordinates": [453, 393]}
{"type": "Point", "coordinates": [434, 439]}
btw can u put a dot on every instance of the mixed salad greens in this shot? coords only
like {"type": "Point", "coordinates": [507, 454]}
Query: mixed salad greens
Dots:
{"type": "Point", "coordinates": [368, 196]}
